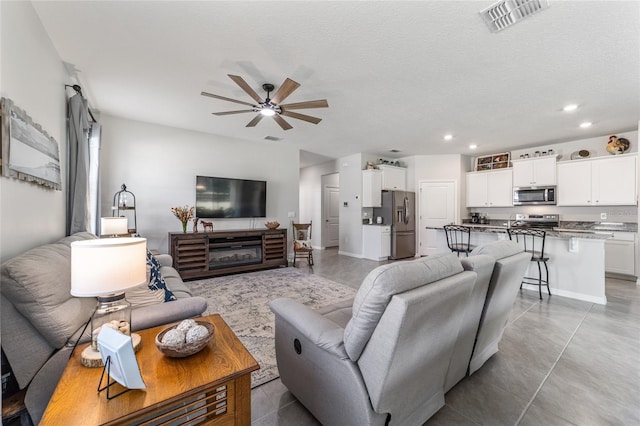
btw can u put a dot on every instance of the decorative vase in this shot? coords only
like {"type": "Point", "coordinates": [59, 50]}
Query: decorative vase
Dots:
{"type": "Point", "coordinates": [184, 227]}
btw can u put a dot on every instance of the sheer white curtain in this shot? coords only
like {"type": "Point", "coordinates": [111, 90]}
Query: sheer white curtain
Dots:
{"type": "Point", "coordinates": [93, 203]}
{"type": "Point", "coordinates": [83, 159]}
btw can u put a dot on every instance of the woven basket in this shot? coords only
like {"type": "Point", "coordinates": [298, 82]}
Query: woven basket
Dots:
{"type": "Point", "coordinates": [272, 225]}
{"type": "Point", "coordinates": [185, 349]}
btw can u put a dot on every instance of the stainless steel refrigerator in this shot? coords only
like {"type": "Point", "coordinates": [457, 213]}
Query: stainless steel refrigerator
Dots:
{"type": "Point", "coordinates": [398, 210]}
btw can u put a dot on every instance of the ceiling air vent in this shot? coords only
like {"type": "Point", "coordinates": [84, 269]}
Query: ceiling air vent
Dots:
{"type": "Point", "coordinates": [505, 13]}
{"type": "Point", "coordinates": [273, 138]}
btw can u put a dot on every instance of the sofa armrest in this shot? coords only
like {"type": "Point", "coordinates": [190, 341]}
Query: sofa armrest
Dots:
{"type": "Point", "coordinates": [321, 331]}
{"type": "Point", "coordinates": [164, 259]}
{"type": "Point", "coordinates": [166, 313]}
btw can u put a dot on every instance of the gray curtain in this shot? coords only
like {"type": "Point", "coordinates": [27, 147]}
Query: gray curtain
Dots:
{"type": "Point", "coordinates": [78, 194]}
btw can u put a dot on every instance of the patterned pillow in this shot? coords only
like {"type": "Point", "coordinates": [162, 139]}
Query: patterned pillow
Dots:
{"type": "Point", "coordinates": [156, 282]}
{"type": "Point", "coordinates": [302, 244]}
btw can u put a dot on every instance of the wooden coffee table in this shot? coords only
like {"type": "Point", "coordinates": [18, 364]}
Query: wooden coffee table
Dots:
{"type": "Point", "coordinates": [214, 385]}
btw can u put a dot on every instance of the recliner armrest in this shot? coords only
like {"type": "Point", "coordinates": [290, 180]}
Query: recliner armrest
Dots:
{"type": "Point", "coordinates": [321, 331]}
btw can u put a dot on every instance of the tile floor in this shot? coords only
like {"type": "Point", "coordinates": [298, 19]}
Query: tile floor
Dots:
{"type": "Point", "coordinates": [561, 362]}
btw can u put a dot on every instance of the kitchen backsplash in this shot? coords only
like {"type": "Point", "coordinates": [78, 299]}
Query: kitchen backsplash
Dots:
{"type": "Point", "coordinates": [627, 214]}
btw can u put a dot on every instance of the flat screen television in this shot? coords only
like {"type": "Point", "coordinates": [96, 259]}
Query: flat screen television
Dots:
{"type": "Point", "coordinates": [218, 197]}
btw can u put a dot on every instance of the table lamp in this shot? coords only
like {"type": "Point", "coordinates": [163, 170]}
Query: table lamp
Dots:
{"type": "Point", "coordinates": [106, 268]}
{"type": "Point", "coordinates": [114, 226]}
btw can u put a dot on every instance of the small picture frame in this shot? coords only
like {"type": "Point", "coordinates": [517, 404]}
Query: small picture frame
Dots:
{"type": "Point", "coordinates": [123, 365]}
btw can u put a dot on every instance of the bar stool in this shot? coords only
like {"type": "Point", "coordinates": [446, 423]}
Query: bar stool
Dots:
{"type": "Point", "coordinates": [458, 239]}
{"type": "Point", "coordinates": [533, 242]}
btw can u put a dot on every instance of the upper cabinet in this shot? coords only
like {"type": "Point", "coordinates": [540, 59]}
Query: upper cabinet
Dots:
{"type": "Point", "coordinates": [371, 188]}
{"type": "Point", "coordinates": [393, 178]}
{"type": "Point", "coordinates": [607, 181]}
{"type": "Point", "coordinates": [539, 171]}
{"type": "Point", "coordinates": [490, 189]}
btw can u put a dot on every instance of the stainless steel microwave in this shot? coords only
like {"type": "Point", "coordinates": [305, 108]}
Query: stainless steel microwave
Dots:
{"type": "Point", "coordinates": [523, 196]}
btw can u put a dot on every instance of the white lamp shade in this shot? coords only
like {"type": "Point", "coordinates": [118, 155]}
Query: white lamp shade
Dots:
{"type": "Point", "coordinates": [114, 225]}
{"type": "Point", "coordinates": [107, 266]}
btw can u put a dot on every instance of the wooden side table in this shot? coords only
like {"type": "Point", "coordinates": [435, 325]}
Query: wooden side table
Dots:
{"type": "Point", "coordinates": [213, 385]}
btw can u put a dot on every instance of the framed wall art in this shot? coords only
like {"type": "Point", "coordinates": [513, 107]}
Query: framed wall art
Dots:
{"type": "Point", "coordinates": [28, 152]}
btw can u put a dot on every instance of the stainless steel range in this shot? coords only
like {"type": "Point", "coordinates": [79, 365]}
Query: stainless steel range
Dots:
{"type": "Point", "coordinates": [544, 221]}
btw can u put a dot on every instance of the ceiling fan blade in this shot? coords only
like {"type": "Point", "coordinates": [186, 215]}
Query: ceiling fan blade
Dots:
{"type": "Point", "coordinates": [310, 119]}
{"type": "Point", "coordinates": [282, 122]}
{"type": "Point", "coordinates": [285, 90]}
{"type": "Point", "coordinates": [255, 120]}
{"type": "Point", "coordinates": [321, 103]}
{"type": "Point", "coordinates": [232, 112]}
{"type": "Point", "coordinates": [211, 95]}
{"type": "Point", "coordinates": [244, 86]}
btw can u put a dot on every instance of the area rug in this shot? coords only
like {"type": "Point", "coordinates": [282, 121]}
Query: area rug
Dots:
{"type": "Point", "coordinates": [243, 302]}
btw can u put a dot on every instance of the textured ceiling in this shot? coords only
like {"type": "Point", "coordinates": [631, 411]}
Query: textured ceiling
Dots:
{"type": "Point", "coordinates": [397, 75]}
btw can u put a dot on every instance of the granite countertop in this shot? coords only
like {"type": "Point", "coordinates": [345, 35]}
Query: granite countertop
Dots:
{"type": "Point", "coordinates": [591, 230]}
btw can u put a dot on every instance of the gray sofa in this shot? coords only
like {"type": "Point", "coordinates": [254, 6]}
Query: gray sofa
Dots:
{"type": "Point", "coordinates": [414, 330]}
{"type": "Point", "coordinates": [384, 357]}
{"type": "Point", "coordinates": [41, 320]}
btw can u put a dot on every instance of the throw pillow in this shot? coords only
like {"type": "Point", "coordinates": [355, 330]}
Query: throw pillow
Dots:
{"type": "Point", "coordinates": [156, 282]}
{"type": "Point", "coordinates": [302, 244]}
{"type": "Point", "coordinates": [144, 296]}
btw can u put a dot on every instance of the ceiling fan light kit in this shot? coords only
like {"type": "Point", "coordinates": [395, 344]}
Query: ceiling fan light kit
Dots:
{"type": "Point", "coordinates": [271, 107]}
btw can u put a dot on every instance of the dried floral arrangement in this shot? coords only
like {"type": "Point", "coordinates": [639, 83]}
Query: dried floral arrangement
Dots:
{"type": "Point", "coordinates": [184, 214]}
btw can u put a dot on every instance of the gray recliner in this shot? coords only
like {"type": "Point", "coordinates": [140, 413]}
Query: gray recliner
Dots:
{"type": "Point", "coordinates": [511, 263]}
{"type": "Point", "coordinates": [385, 357]}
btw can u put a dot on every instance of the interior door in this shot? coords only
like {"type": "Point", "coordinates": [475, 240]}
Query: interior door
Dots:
{"type": "Point", "coordinates": [437, 207]}
{"type": "Point", "coordinates": [331, 228]}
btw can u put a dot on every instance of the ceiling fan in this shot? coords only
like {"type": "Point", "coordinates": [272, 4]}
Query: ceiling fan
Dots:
{"type": "Point", "coordinates": [271, 107]}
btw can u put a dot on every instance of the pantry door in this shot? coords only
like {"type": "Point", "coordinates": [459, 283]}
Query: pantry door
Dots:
{"type": "Point", "coordinates": [437, 207]}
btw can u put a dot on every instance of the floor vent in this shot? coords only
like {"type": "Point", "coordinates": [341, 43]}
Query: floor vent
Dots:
{"type": "Point", "coordinates": [505, 13]}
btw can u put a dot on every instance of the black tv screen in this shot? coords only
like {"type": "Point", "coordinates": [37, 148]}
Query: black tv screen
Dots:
{"type": "Point", "coordinates": [218, 197]}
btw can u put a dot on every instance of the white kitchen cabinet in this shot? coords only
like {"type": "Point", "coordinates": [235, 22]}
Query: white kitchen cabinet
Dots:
{"type": "Point", "coordinates": [620, 253]}
{"type": "Point", "coordinates": [539, 171]}
{"type": "Point", "coordinates": [376, 242]}
{"type": "Point", "coordinates": [393, 178]}
{"type": "Point", "coordinates": [490, 189]}
{"type": "Point", "coordinates": [607, 181]}
{"type": "Point", "coordinates": [371, 188]}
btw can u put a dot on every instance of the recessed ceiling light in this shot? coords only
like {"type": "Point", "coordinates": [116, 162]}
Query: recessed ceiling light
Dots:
{"type": "Point", "coordinates": [570, 107]}
{"type": "Point", "coordinates": [448, 137]}
{"type": "Point", "coordinates": [473, 146]}
{"type": "Point", "coordinates": [586, 124]}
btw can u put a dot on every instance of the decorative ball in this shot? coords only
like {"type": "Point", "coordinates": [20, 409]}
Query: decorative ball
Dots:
{"type": "Point", "coordinates": [196, 334]}
{"type": "Point", "coordinates": [173, 337]}
{"type": "Point", "coordinates": [185, 325]}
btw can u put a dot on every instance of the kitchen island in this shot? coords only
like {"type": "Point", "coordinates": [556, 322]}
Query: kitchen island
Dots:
{"type": "Point", "coordinates": [576, 259]}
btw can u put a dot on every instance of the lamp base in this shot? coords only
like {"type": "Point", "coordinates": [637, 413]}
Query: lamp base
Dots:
{"type": "Point", "coordinates": [92, 359]}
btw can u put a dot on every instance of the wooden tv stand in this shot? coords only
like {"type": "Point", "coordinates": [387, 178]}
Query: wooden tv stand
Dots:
{"type": "Point", "coordinates": [209, 254]}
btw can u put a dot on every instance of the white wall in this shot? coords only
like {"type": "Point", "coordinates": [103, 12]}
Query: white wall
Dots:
{"type": "Point", "coordinates": [159, 165]}
{"type": "Point", "coordinates": [351, 214]}
{"type": "Point", "coordinates": [33, 77]}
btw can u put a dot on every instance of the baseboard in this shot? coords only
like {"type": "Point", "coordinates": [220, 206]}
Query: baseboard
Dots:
{"type": "Point", "coordinates": [569, 294]}
{"type": "Point", "coordinates": [358, 255]}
